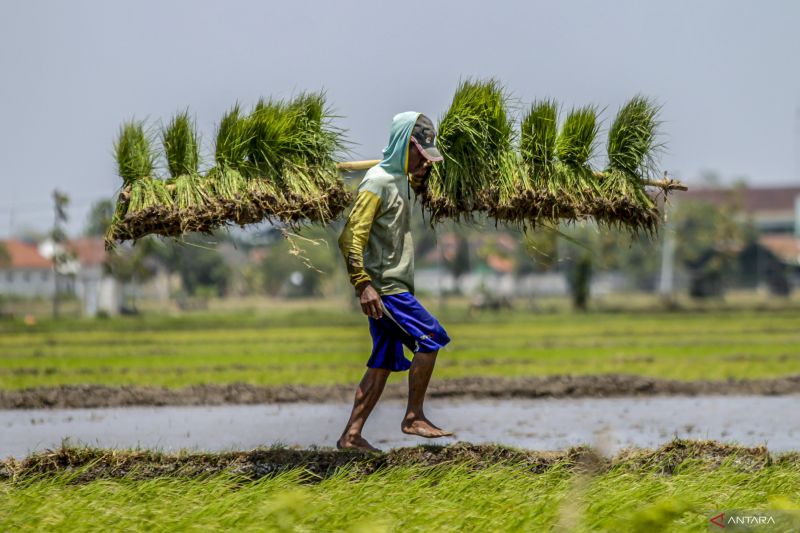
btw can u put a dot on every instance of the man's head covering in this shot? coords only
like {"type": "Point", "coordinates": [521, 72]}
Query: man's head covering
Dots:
{"type": "Point", "coordinates": [424, 136]}
{"type": "Point", "coordinates": [405, 130]}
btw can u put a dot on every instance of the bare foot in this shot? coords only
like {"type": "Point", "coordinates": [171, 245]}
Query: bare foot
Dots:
{"type": "Point", "coordinates": [355, 442]}
{"type": "Point", "coordinates": [424, 428]}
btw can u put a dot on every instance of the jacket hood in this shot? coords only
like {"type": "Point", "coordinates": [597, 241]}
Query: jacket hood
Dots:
{"type": "Point", "coordinates": [395, 155]}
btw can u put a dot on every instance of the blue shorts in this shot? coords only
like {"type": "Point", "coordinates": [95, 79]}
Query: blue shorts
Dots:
{"type": "Point", "coordinates": [404, 323]}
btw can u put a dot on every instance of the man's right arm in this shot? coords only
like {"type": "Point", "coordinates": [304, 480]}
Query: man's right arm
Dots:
{"type": "Point", "coordinates": [353, 242]}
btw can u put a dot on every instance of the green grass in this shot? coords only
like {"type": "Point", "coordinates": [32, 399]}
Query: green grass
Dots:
{"type": "Point", "coordinates": [448, 497]}
{"type": "Point", "coordinates": [321, 347]}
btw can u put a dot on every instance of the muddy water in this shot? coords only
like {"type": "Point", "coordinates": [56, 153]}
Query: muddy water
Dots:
{"type": "Point", "coordinates": [541, 424]}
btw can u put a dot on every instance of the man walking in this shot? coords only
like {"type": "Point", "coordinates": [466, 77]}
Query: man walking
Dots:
{"type": "Point", "coordinates": [379, 252]}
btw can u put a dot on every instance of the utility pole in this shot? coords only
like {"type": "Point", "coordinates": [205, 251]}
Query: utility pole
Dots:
{"type": "Point", "coordinates": [666, 281]}
{"type": "Point", "coordinates": [797, 171]}
{"type": "Point", "coordinates": [797, 143]}
{"type": "Point", "coordinates": [59, 238]}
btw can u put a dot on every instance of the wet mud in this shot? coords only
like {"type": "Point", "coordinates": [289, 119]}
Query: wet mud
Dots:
{"type": "Point", "coordinates": [591, 386]}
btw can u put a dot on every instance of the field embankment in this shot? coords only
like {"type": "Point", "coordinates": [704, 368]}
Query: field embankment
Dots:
{"type": "Point", "coordinates": [677, 487]}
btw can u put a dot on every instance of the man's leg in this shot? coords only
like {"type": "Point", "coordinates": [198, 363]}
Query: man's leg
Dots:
{"type": "Point", "coordinates": [419, 376]}
{"type": "Point", "coordinates": [367, 394]}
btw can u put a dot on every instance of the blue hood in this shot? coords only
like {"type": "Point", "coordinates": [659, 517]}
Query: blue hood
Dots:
{"type": "Point", "coordinates": [395, 155]}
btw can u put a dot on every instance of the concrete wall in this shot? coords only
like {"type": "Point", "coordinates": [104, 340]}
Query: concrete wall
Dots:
{"type": "Point", "coordinates": [27, 283]}
{"type": "Point", "coordinates": [541, 284]}
{"type": "Point", "coordinates": [97, 291]}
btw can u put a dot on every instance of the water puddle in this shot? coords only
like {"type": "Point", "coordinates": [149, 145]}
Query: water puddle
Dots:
{"type": "Point", "coordinates": [540, 424]}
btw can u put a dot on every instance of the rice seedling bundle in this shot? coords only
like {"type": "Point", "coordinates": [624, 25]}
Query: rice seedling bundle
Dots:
{"type": "Point", "coordinates": [227, 180]}
{"type": "Point", "coordinates": [196, 209]}
{"type": "Point", "coordinates": [292, 155]}
{"type": "Point", "coordinates": [475, 139]}
{"type": "Point", "coordinates": [632, 146]}
{"type": "Point", "coordinates": [544, 174]}
{"type": "Point", "coordinates": [145, 203]}
{"type": "Point", "coordinates": [277, 163]}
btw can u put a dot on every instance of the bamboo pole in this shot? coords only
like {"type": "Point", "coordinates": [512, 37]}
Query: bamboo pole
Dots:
{"type": "Point", "coordinates": [668, 184]}
{"type": "Point", "coordinates": [352, 166]}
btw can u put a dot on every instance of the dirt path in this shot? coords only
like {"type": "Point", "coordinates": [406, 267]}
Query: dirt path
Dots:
{"type": "Point", "coordinates": [598, 386]}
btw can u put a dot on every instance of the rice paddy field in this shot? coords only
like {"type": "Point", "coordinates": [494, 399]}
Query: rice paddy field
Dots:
{"type": "Point", "coordinates": [461, 487]}
{"type": "Point", "coordinates": [321, 347]}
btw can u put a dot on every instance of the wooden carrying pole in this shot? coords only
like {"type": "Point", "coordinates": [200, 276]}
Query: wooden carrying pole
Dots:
{"type": "Point", "coordinates": [352, 166]}
{"type": "Point", "coordinates": [667, 183]}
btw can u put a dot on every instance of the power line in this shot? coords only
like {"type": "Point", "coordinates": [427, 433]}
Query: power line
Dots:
{"type": "Point", "coordinates": [80, 200]}
{"type": "Point", "coordinates": [21, 209]}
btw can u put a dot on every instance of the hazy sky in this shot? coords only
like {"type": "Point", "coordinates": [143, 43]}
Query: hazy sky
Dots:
{"type": "Point", "coordinates": [726, 72]}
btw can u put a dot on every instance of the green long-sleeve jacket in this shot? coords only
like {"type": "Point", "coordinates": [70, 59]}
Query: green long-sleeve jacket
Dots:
{"type": "Point", "coordinates": [376, 240]}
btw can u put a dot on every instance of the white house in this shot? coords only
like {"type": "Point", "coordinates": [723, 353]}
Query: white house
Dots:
{"type": "Point", "coordinates": [29, 273]}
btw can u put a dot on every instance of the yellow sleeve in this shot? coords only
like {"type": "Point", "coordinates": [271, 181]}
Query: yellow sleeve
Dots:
{"type": "Point", "coordinates": [355, 235]}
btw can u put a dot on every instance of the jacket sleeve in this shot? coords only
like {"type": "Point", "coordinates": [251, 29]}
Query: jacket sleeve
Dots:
{"type": "Point", "coordinates": [354, 237]}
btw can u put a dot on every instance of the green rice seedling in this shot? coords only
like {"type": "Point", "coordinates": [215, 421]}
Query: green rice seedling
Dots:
{"type": "Point", "coordinates": [270, 130]}
{"type": "Point", "coordinates": [632, 149]}
{"type": "Point", "coordinates": [572, 183]}
{"type": "Point", "coordinates": [474, 135]}
{"type": "Point", "coordinates": [537, 143]}
{"type": "Point", "coordinates": [575, 143]}
{"type": "Point", "coordinates": [150, 210]}
{"type": "Point", "coordinates": [266, 154]}
{"type": "Point", "coordinates": [143, 204]}
{"type": "Point", "coordinates": [181, 145]}
{"type": "Point", "coordinates": [293, 153]}
{"type": "Point", "coordinates": [135, 160]}
{"type": "Point", "coordinates": [537, 148]}
{"type": "Point", "coordinates": [227, 181]}
{"type": "Point", "coordinates": [234, 135]}
{"type": "Point", "coordinates": [315, 147]}
{"type": "Point", "coordinates": [195, 210]}
{"type": "Point", "coordinates": [511, 199]}
{"type": "Point", "coordinates": [229, 189]}
{"type": "Point", "coordinates": [321, 141]}
{"type": "Point", "coordinates": [632, 139]}
{"type": "Point", "coordinates": [134, 152]}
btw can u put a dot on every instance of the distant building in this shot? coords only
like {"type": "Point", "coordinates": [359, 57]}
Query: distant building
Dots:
{"type": "Point", "coordinates": [773, 260]}
{"type": "Point", "coordinates": [772, 209]}
{"type": "Point", "coordinates": [29, 273]}
{"type": "Point", "coordinates": [95, 287]}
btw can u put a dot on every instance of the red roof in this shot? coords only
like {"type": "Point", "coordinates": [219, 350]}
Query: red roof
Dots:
{"type": "Point", "coordinates": [89, 251]}
{"type": "Point", "coordinates": [25, 255]}
{"type": "Point", "coordinates": [786, 247]}
{"type": "Point", "coordinates": [504, 265]}
{"type": "Point", "coordinates": [751, 199]}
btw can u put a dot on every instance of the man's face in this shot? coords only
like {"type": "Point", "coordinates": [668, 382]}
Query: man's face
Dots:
{"type": "Point", "coordinates": [418, 164]}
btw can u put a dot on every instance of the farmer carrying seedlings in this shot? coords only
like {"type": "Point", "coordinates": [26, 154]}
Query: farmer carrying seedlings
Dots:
{"type": "Point", "coordinates": [379, 252]}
